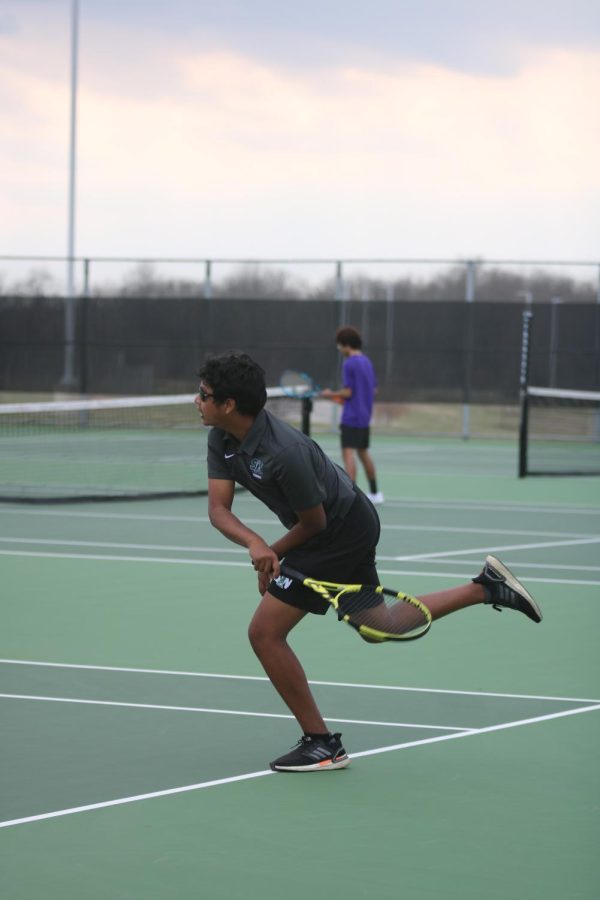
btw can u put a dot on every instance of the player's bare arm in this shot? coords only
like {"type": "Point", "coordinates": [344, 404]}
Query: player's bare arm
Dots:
{"type": "Point", "coordinates": [220, 500]}
{"type": "Point", "coordinates": [310, 523]}
{"type": "Point", "coordinates": [343, 393]}
{"type": "Point", "coordinates": [265, 558]}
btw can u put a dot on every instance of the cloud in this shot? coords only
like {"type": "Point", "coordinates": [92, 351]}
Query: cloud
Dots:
{"type": "Point", "coordinates": [465, 35]}
{"type": "Point", "coordinates": [8, 23]}
{"type": "Point", "coordinates": [180, 149]}
{"type": "Point", "coordinates": [235, 122]}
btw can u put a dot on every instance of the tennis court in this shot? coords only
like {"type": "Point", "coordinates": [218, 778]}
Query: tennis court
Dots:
{"type": "Point", "coordinates": [138, 726]}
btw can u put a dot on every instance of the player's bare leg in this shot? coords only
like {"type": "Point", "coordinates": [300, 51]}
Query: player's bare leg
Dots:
{"type": "Point", "coordinates": [268, 631]}
{"type": "Point", "coordinates": [349, 461]}
{"type": "Point", "coordinates": [404, 618]}
{"type": "Point", "coordinates": [368, 464]}
{"type": "Point", "coordinates": [442, 603]}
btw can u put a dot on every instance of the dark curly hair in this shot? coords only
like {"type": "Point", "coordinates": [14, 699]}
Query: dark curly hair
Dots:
{"type": "Point", "coordinates": [348, 337]}
{"type": "Point", "coordinates": [236, 376]}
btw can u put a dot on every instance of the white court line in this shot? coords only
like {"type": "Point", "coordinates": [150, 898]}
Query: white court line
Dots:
{"type": "Point", "coordinates": [225, 712]}
{"type": "Point", "coordinates": [489, 506]}
{"type": "Point", "coordinates": [118, 544]}
{"type": "Point", "coordinates": [401, 573]}
{"type": "Point", "coordinates": [487, 730]}
{"type": "Point", "coordinates": [117, 558]}
{"type": "Point", "coordinates": [341, 684]}
{"type": "Point", "coordinates": [520, 562]}
{"type": "Point", "coordinates": [568, 539]}
{"type": "Point", "coordinates": [538, 546]}
{"type": "Point", "coordinates": [427, 529]}
{"type": "Point", "coordinates": [432, 557]}
{"type": "Point", "coordinates": [229, 563]}
{"type": "Point", "coordinates": [419, 503]}
{"type": "Point", "coordinates": [251, 775]}
{"type": "Point", "coordinates": [483, 507]}
{"type": "Point", "coordinates": [122, 800]}
{"type": "Point", "coordinates": [135, 517]}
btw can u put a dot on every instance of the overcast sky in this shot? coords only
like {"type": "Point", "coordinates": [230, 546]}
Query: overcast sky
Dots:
{"type": "Point", "coordinates": [323, 128]}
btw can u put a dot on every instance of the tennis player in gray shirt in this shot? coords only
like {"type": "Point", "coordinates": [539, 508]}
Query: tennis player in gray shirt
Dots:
{"type": "Point", "coordinates": [332, 530]}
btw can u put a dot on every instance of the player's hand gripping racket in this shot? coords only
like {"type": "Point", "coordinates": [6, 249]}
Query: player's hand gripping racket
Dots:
{"type": "Point", "coordinates": [378, 614]}
{"type": "Point", "coordinates": [298, 384]}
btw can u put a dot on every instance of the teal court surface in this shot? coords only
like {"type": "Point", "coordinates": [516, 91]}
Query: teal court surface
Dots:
{"type": "Point", "coordinates": [137, 726]}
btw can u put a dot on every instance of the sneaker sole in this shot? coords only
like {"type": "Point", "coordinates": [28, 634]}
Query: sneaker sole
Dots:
{"type": "Point", "coordinates": [515, 585]}
{"type": "Point", "coordinates": [328, 765]}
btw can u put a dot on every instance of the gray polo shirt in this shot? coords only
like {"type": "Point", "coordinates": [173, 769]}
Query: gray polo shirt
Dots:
{"type": "Point", "coordinates": [284, 468]}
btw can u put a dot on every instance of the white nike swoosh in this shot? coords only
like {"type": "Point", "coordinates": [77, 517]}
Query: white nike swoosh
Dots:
{"type": "Point", "coordinates": [229, 455]}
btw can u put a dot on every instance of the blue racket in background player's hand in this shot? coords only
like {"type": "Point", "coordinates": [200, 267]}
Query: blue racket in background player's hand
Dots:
{"type": "Point", "coordinates": [298, 384]}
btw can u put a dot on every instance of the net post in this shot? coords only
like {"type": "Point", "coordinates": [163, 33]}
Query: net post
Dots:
{"type": "Point", "coordinates": [307, 406]}
{"type": "Point", "coordinates": [523, 384]}
{"type": "Point", "coordinates": [523, 433]}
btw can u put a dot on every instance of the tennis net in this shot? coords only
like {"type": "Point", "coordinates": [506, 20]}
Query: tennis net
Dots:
{"type": "Point", "coordinates": [102, 449]}
{"type": "Point", "coordinates": [560, 432]}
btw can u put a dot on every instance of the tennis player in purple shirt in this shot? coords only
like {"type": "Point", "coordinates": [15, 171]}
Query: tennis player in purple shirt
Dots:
{"type": "Point", "coordinates": [357, 395]}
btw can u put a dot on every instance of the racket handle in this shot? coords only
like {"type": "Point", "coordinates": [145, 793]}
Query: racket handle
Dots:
{"type": "Point", "coordinates": [292, 573]}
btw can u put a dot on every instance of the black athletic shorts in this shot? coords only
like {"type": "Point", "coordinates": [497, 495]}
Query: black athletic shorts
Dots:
{"type": "Point", "coordinates": [357, 438]}
{"type": "Point", "coordinates": [347, 556]}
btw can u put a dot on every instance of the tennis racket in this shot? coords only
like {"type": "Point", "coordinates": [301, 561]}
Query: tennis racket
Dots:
{"type": "Point", "coordinates": [298, 384]}
{"type": "Point", "coordinates": [378, 614]}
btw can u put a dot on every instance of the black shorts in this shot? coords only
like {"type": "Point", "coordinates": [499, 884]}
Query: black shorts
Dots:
{"type": "Point", "coordinates": [347, 556]}
{"type": "Point", "coordinates": [356, 438]}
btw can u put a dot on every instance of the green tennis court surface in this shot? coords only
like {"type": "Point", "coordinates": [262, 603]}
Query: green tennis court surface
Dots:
{"type": "Point", "coordinates": [137, 727]}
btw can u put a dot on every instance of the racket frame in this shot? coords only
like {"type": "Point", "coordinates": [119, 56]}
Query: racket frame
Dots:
{"type": "Point", "coordinates": [333, 590]}
{"type": "Point", "coordinates": [297, 390]}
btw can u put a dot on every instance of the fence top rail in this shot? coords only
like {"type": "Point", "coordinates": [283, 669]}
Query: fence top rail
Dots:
{"type": "Point", "coordinates": [301, 260]}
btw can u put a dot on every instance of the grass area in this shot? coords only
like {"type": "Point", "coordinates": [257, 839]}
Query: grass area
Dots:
{"type": "Point", "coordinates": [423, 419]}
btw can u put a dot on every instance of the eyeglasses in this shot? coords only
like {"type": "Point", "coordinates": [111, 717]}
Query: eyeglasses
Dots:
{"type": "Point", "coordinates": [204, 396]}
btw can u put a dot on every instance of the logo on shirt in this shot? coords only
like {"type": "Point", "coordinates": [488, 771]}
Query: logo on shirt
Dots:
{"type": "Point", "coordinates": [257, 468]}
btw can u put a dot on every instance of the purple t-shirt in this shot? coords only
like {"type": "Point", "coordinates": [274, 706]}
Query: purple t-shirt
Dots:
{"type": "Point", "coordinates": [358, 374]}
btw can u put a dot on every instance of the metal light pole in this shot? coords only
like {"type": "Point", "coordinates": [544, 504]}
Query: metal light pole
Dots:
{"type": "Point", "coordinates": [469, 298]}
{"type": "Point", "coordinates": [68, 379]}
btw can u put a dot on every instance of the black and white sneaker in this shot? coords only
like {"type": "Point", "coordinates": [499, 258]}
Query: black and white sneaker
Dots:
{"type": "Point", "coordinates": [313, 755]}
{"type": "Point", "coordinates": [504, 589]}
